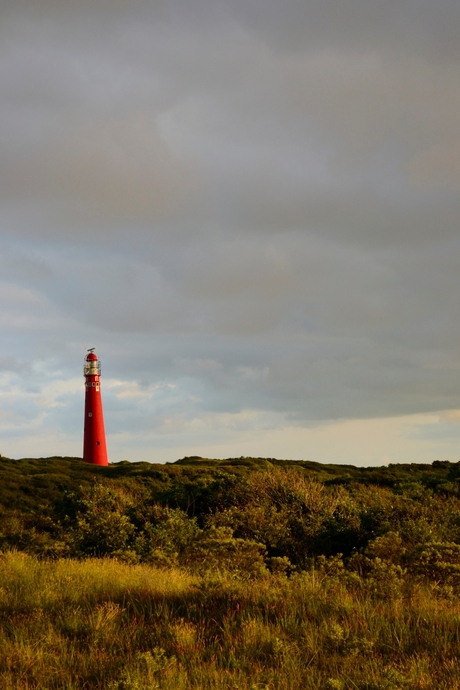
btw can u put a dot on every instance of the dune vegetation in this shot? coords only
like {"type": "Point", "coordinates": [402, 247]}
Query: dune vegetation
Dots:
{"type": "Point", "coordinates": [100, 623]}
{"type": "Point", "coordinates": [244, 574]}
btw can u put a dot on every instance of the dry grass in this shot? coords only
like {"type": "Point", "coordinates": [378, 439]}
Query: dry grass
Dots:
{"type": "Point", "coordinates": [103, 624]}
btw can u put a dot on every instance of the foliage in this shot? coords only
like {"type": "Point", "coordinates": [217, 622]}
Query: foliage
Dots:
{"type": "Point", "coordinates": [242, 513]}
{"type": "Point", "coordinates": [101, 527]}
{"type": "Point", "coordinates": [248, 573]}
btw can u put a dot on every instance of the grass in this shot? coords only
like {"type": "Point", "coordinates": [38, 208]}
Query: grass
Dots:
{"type": "Point", "coordinates": [105, 624]}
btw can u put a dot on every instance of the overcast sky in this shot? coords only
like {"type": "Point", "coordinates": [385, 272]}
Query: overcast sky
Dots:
{"type": "Point", "coordinates": [250, 208]}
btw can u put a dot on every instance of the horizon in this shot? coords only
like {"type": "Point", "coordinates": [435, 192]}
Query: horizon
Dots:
{"type": "Point", "coordinates": [232, 460]}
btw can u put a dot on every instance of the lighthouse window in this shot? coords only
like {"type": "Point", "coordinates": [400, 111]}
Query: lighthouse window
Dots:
{"type": "Point", "coordinates": [90, 414]}
{"type": "Point", "coordinates": [98, 443]}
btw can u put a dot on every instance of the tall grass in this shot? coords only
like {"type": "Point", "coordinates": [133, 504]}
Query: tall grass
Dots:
{"type": "Point", "coordinates": [104, 624]}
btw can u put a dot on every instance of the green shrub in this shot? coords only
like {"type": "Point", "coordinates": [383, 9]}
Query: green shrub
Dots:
{"type": "Point", "coordinates": [437, 562]}
{"type": "Point", "coordinates": [101, 526]}
{"type": "Point", "coordinates": [165, 535]}
{"type": "Point", "coordinates": [217, 549]}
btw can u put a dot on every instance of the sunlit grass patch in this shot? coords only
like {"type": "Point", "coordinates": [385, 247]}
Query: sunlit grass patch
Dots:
{"type": "Point", "coordinates": [106, 624]}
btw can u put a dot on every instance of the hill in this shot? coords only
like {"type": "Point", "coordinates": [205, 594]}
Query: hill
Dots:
{"type": "Point", "coordinates": [244, 572]}
{"type": "Point", "coordinates": [294, 509]}
{"type": "Point", "coordinates": [32, 485]}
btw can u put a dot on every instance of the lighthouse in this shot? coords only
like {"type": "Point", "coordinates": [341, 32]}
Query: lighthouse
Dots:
{"type": "Point", "coordinates": [94, 445]}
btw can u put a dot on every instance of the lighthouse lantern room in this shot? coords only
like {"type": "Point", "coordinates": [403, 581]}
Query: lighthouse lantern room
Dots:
{"type": "Point", "coordinates": [94, 443]}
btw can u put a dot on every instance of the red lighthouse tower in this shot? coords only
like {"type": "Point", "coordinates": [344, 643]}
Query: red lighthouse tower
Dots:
{"type": "Point", "coordinates": [94, 445]}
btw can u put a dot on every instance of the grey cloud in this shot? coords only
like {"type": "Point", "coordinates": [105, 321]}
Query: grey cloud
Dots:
{"type": "Point", "coordinates": [264, 128]}
{"type": "Point", "coordinates": [255, 203]}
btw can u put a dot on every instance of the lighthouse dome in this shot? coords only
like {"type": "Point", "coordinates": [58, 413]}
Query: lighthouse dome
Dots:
{"type": "Point", "coordinates": [92, 366]}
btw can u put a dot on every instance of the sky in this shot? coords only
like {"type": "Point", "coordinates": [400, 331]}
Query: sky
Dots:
{"type": "Point", "coordinates": [250, 208]}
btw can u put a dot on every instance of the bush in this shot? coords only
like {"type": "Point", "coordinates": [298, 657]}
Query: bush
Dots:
{"type": "Point", "coordinates": [100, 526]}
{"type": "Point", "coordinates": [217, 549]}
{"type": "Point", "coordinates": [437, 562]}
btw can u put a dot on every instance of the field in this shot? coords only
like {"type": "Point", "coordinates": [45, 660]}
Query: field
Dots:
{"type": "Point", "coordinates": [105, 624]}
{"type": "Point", "coordinates": [239, 575]}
